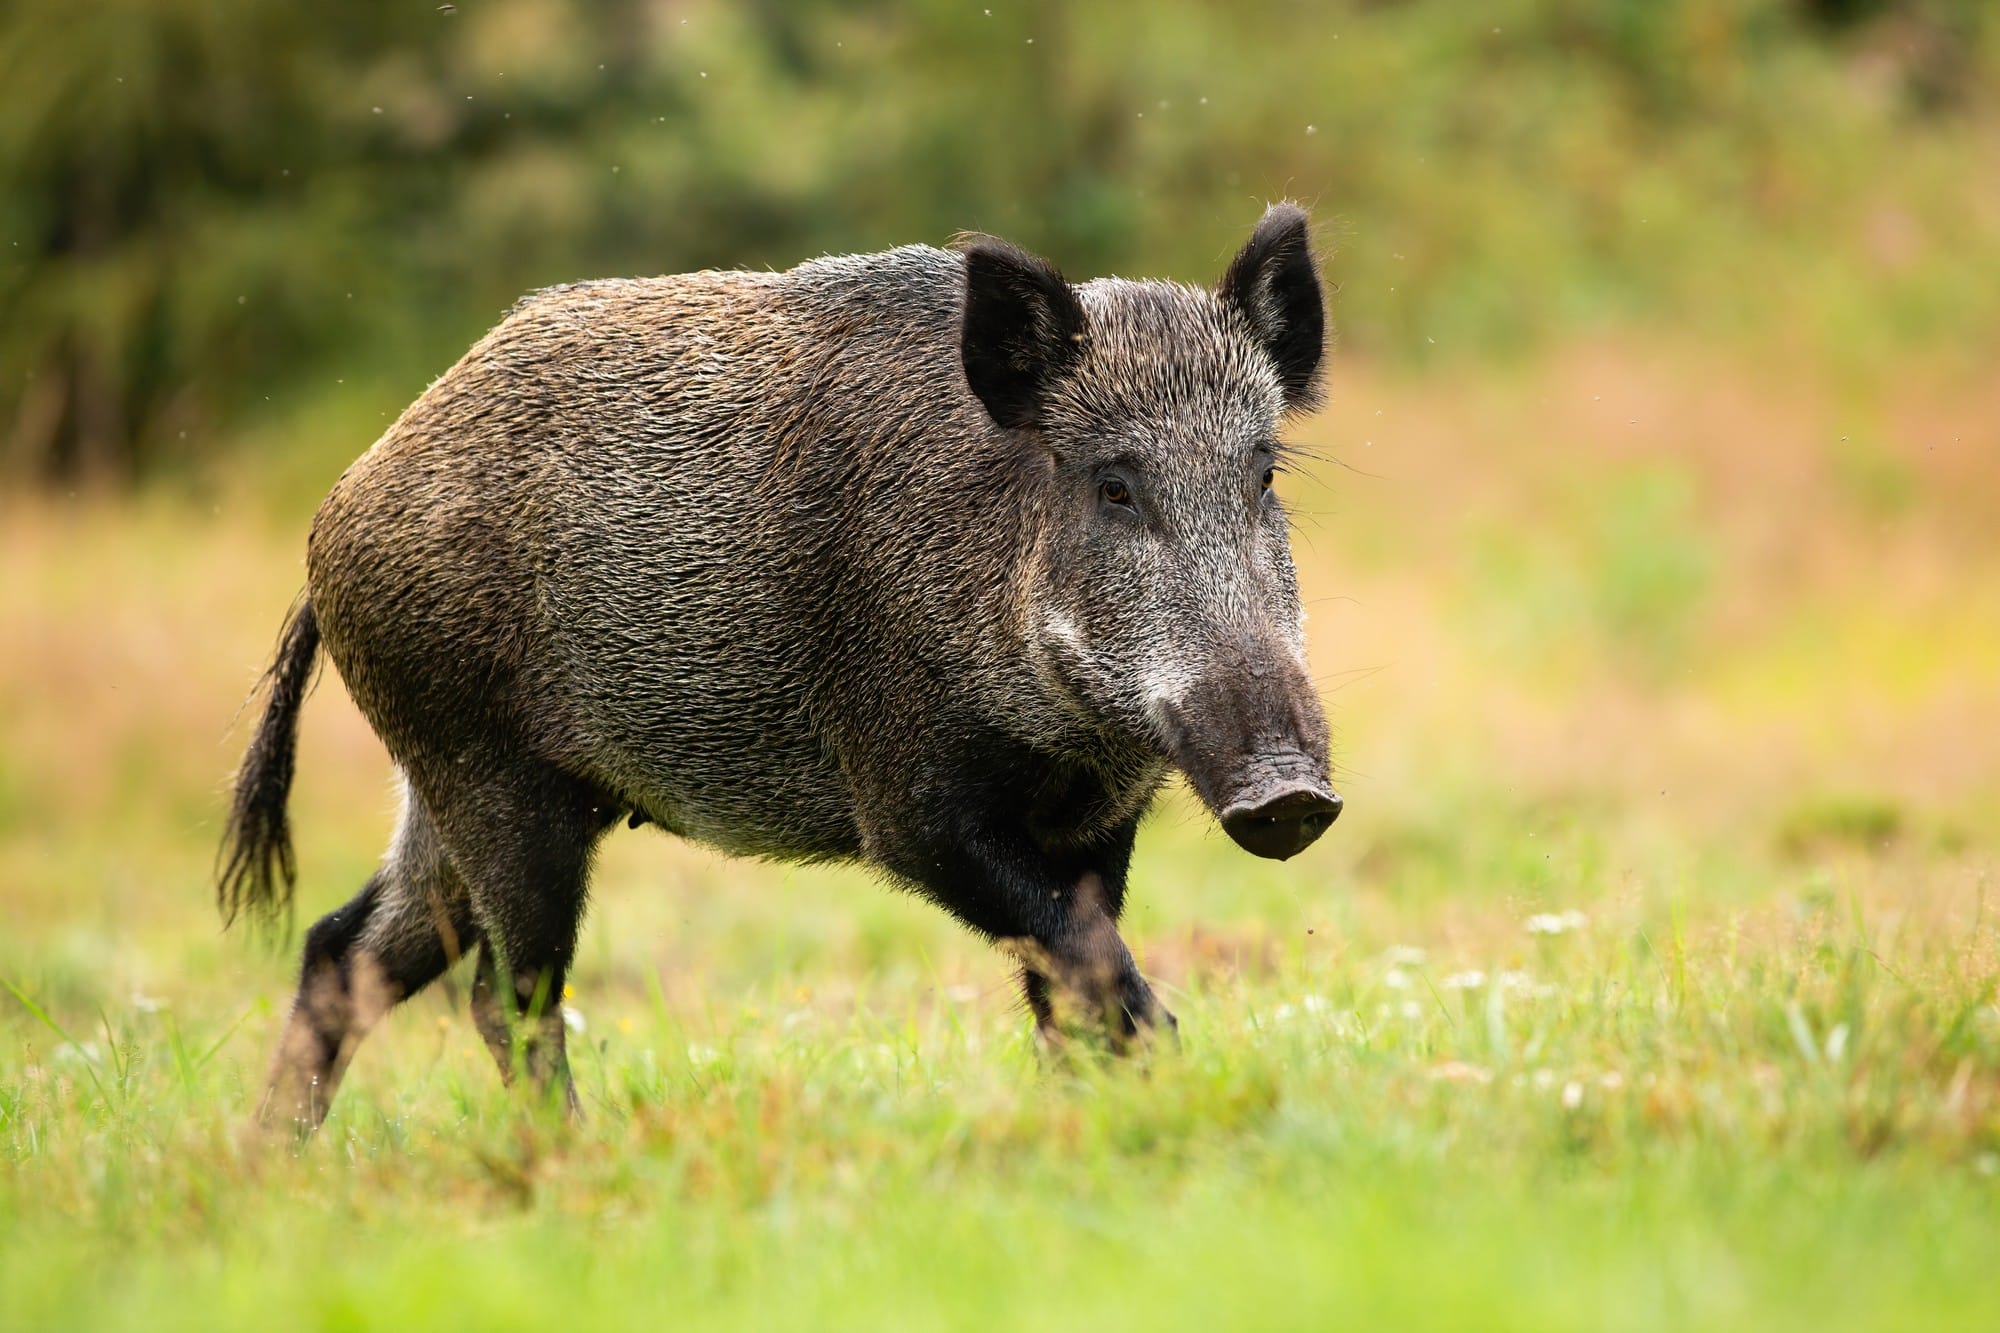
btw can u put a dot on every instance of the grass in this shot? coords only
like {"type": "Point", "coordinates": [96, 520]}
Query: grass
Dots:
{"type": "Point", "coordinates": [1678, 1114]}
{"type": "Point", "coordinates": [1649, 981]}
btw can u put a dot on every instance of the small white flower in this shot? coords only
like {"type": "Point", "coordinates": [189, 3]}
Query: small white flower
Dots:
{"type": "Point", "coordinates": [1468, 980]}
{"type": "Point", "coordinates": [1556, 923]}
{"type": "Point", "coordinates": [1396, 979]}
{"type": "Point", "coordinates": [573, 1020]}
{"type": "Point", "coordinates": [79, 1052]}
{"type": "Point", "coordinates": [147, 1004]}
{"type": "Point", "coordinates": [701, 1057]}
{"type": "Point", "coordinates": [1411, 1009]}
{"type": "Point", "coordinates": [1611, 1081]}
{"type": "Point", "coordinates": [1836, 1042]}
{"type": "Point", "coordinates": [1311, 1006]}
{"type": "Point", "coordinates": [1545, 1079]}
{"type": "Point", "coordinates": [1572, 1095]}
{"type": "Point", "coordinates": [1516, 982]}
{"type": "Point", "coordinates": [1403, 955]}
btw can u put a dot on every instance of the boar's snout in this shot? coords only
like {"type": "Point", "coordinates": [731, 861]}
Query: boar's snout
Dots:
{"type": "Point", "coordinates": [1253, 745]}
{"type": "Point", "coordinates": [1282, 825]}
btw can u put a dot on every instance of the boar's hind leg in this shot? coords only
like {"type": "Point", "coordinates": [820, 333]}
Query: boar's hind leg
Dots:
{"type": "Point", "coordinates": [523, 839]}
{"type": "Point", "coordinates": [409, 923]}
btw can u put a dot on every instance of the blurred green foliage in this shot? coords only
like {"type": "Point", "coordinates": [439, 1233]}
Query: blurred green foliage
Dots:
{"type": "Point", "coordinates": [1651, 565]}
{"type": "Point", "coordinates": [1621, 569]}
{"type": "Point", "coordinates": [1865, 823]}
{"type": "Point", "coordinates": [207, 202]}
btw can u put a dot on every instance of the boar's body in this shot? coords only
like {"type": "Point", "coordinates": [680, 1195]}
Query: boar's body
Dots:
{"type": "Point", "coordinates": [743, 550]}
{"type": "Point", "coordinates": [926, 558]}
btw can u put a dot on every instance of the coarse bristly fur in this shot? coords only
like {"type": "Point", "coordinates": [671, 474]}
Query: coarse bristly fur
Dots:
{"type": "Point", "coordinates": [925, 558]}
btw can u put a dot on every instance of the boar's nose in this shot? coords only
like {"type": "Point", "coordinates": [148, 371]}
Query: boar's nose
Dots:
{"type": "Point", "coordinates": [1283, 824]}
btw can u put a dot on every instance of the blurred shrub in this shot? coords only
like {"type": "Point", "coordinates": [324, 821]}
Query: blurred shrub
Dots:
{"type": "Point", "coordinates": [1827, 824]}
{"type": "Point", "coordinates": [1619, 574]}
{"type": "Point", "coordinates": [207, 201]}
{"type": "Point", "coordinates": [1650, 565]}
{"type": "Point", "coordinates": [1872, 476]}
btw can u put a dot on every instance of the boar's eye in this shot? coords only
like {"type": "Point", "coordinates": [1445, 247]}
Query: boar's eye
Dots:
{"type": "Point", "coordinates": [1270, 475]}
{"type": "Point", "coordinates": [1114, 491]}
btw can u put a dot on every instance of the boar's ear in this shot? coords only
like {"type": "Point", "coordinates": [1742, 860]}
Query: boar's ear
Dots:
{"type": "Point", "coordinates": [1273, 285]}
{"type": "Point", "coordinates": [1023, 329]}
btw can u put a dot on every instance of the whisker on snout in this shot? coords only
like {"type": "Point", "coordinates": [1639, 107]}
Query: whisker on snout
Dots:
{"type": "Point", "coordinates": [1340, 680]}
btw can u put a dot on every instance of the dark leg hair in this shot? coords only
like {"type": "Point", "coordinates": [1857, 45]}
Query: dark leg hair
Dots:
{"type": "Point", "coordinates": [408, 924]}
{"type": "Point", "coordinates": [1080, 956]}
{"type": "Point", "coordinates": [523, 840]}
{"type": "Point", "coordinates": [1057, 910]}
{"type": "Point", "coordinates": [1074, 947]}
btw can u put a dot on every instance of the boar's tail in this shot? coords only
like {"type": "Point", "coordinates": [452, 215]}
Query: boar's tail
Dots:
{"type": "Point", "coordinates": [255, 869]}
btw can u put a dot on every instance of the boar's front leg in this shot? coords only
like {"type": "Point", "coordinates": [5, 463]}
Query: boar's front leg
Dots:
{"type": "Point", "coordinates": [1059, 911]}
{"type": "Point", "coordinates": [1085, 963]}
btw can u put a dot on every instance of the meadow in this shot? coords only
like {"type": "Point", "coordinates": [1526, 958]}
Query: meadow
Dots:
{"type": "Point", "coordinates": [1649, 980]}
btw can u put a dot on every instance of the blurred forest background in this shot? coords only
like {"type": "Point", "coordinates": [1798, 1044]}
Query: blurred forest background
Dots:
{"type": "Point", "coordinates": [216, 211]}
